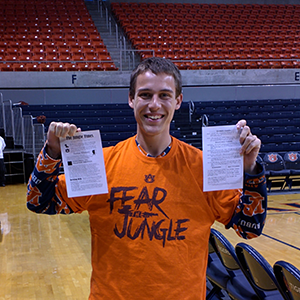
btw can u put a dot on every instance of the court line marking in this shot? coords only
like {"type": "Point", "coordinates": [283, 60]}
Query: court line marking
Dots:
{"type": "Point", "coordinates": [279, 241]}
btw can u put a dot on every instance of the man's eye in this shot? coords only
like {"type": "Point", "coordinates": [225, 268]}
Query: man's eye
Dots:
{"type": "Point", "coordinates": [165, 96]}
{"type": "Point", "coordinates": [145, 95]}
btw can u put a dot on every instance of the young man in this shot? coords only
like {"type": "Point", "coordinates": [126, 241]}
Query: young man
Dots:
{"type": "Point", "coordinates": [150, 232]}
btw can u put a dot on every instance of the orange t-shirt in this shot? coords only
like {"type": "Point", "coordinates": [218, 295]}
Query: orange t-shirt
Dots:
{"type": "Point", "coordinates": [150, 233]}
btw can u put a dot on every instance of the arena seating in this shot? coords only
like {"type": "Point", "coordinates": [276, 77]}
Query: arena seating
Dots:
{"type": "Point", "coordinates": [258, 271]}
{"type": "Point", "coordinates": [115, 121]}
{"type": "Point", "coordinates": [288, 278]}
{"type": "Point", "coordinates": [39, 35]}
{"type": "Point", "coordinates": [214, 36]}
{"type": "Point", "coordinates": [61, 36]}
{"type": "Point", "coordinates": [216, 274]}
{"type": "Point", "coordinates": [275, 122]}
{"type": "Point", "coordinates": [250, 271]}
{"type": "Point", "coordinates": [237, 285]}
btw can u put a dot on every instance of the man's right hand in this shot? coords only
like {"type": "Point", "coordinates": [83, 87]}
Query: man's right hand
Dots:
{"type": "Point", "coordinates": [55, 131]}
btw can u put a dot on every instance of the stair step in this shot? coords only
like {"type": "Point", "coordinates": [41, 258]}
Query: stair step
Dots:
{"type": "Point", "coordinates": [109, 39]}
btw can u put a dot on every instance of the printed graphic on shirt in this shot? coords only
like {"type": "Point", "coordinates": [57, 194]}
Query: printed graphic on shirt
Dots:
{"type": "Point", "coordinates": [142, 214]}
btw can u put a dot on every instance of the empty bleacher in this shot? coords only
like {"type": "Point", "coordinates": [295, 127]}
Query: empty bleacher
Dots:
{"type": "Point", "coordinates": [116, 122]}
{"type": "Point", "coordinates": [50, 36]}
{"type": "Point", "coordinates": [214, 36]}
{"type": "Point", "coordinates": [61, 36]}
{"type": "Point", "coordinates": [275, 122]}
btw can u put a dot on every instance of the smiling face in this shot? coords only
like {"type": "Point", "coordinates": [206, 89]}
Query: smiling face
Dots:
{"type": "Point", "coordinates": [154, 103]}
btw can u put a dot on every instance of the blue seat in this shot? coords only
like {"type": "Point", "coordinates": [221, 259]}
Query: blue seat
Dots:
{"type": "Point", "coordinates": [215, 272]}
{"type": "Point", "coordinates": [276, 172]}
{"type": "Point", "coordinates": [237, 286]}
{"type": "Point", "coordinates": [258, 271]}
{"type": "Point", "coordinates": [288, 278]}
{"type": "Point", "coordinates": [292, 163]}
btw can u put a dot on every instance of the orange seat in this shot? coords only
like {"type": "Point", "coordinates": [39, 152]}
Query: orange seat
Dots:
{"type": "Point", "coordinates": [33, 67]}
{"type": "Point", "coordinates": [46, 67]}
{"type": "Point", "coordinates": [239, 65]}
{"type": "Point", "coordinates": [263, 65]}
{"type": "Point", "coordinates": [287, 65]}
{"type": "Point", "coordinates": [91, 57]}
{"type": "Point", "coordinates": [11, 57]}
{"type": "Point", "coordinates": [84, 67]}
{"type": "Point", "coordinates": [64, 56]}
{"type": "Point", "coordinates": [251, 65]}
{"type": "Point", "coordinates": [72, 67]}
{"type": "Point", "coordinates": [6, 67]}
{"type": "Point", "coordinates": [37, 57]}
{"type": "Point", "coordinates": [77, 57]}
{"type": "Point", "coordinates": [96, 66]}
{"type": "Point", "coordinates": [51, 56]}
{"type": "Point", "coordinates": [109, 66]}
{"type": "Point", "coordinates": [60, 67]}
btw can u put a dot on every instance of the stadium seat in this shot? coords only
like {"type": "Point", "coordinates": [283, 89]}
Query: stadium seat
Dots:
{"type": "Point", "coordinates": [288, 278]}
{"type": "Point", "coordinates": [33, 67]}
{"type": "Point", "coordinates": [258, 271]}
{"type": "Point", "coordinates": [292, 163]}
{"type": "Point", "coordinates": [276, 172]}
{"type": "Point", "coordinates": [216, 273]}
{"type": "Point", "coordinates": [237, 286]}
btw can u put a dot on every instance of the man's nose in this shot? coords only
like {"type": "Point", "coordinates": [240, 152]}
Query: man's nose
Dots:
{"type": "Point", "coordinates": [155, 102]}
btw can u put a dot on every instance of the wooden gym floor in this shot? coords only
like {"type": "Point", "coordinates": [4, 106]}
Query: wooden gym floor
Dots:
{"type": "Point", "coordinates": [48, 257]}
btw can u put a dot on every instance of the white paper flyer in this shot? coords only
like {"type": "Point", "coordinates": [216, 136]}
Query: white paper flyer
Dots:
{"type": "Point", "coordinates": [83, 163]}
{"type": "Point", "coordinates": [223, 166]}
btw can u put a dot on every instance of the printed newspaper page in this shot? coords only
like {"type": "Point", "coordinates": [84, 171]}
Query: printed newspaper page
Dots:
{"type": "Point", "coordinates": [222, 163]}
{"type": "Point", "coordinates": [83, 163]}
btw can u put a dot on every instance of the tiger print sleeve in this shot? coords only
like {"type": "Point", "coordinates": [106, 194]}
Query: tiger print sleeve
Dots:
{"type": "Point", "coordinates": [250, 214]}
{"type": "Point", "coordinates": [41, 191]}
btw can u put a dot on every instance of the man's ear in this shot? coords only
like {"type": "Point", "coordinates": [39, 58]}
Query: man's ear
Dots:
{"type": "Point", "coordinates": [130, 101]}
{"type": "Point", "coordinates": [179, 101]}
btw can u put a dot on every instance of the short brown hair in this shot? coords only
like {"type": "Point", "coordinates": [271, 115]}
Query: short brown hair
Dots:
{"type": "Point", "coordinates": [156, 65]}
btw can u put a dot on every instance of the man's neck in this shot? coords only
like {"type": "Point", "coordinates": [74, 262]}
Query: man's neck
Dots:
{"type": "Point", "coordinates": [154, 145]}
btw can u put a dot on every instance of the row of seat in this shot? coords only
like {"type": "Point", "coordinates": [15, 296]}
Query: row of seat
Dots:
{"type": "Point", "coordinates": [61, 28]}
{"type": "Point", "coordinates": [69, 38]}
{"type": "Point", "coordinates": [194, 10]}
{"type": "Point", "coordinates": [39, 49]}
{"type": "Point", "coordinates": [53, 63]}
{"type": "Point", "coordinates": [55, 56]}
{"type": "Point", "coordinates": [282, 170]}
{"type": "Point", "coordinates": [45, 43]}
{"type": "Point", "coordinates": [275, 122]}
{"type": "Point", "coordinates": [58, 66]}
{"type": "Point", "coordinates": [157, 34]}
{"type": "Point", "coordinates": [209, 65]}
{"type": "Point", "coordinates": [205, 6]}
{"type": "Point", "coordinates": [33, 37]}
{"type": "Point", "coordinates": [72, 108]}
{"type": "Point", "coordinates": [218, 15]}
{"type": "Point", "coordinates": [245, 274]}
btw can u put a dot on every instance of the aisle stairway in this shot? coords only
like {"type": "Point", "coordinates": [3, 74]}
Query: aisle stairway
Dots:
{"type": "Point", "coordinates": [112, 35]}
